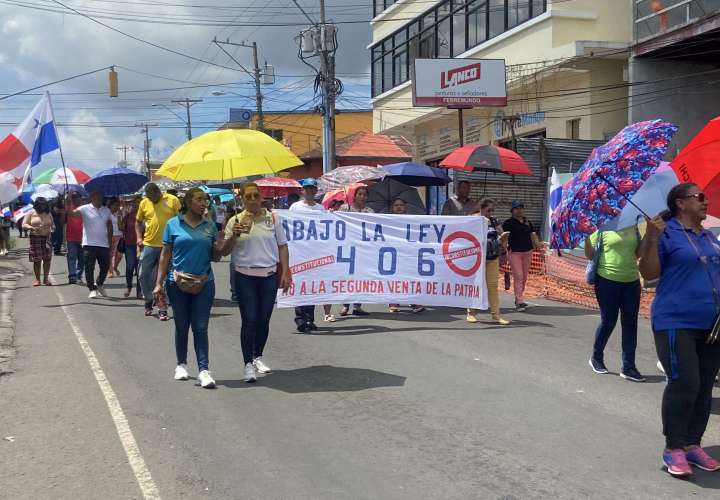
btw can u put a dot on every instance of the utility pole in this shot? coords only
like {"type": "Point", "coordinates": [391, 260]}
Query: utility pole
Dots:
{"type": "Point", "coordinates": [321, 40]}
{"type": "Point", "coordinates": [187, 103]}
{"type": "Point", "coordinates": [124, 149]}
{"type": "Point", "coordinates": [327, 67]}
{"type": "Point", "coordinates": [255, 74]}
{"type": "Point", "coordinates": [145, 129]}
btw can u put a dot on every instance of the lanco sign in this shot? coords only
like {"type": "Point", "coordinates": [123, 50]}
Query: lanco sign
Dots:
{"type": "Point", "coordinates": [459, 82]}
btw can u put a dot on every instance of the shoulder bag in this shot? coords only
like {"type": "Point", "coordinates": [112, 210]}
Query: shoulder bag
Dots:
{"type": "Point", "coordinates": [591, 268]}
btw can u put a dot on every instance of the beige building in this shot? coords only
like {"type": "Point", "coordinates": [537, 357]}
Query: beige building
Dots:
{"type": "Point", "coordinates": [566, 68]}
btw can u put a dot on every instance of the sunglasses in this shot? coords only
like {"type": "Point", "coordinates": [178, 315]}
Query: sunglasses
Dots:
{"type": "Point", "coordinates": [698, 196]}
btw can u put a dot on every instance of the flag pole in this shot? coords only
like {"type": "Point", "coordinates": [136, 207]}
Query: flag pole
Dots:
{"type": "Point", "coordinates": [62, 158]}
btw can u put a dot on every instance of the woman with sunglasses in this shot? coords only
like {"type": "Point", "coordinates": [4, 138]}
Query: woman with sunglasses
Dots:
{"type": "Point", "coordinates": [39, 222]}
{"type": "Point", "coordinates": [260, 264]}
{"type": "Point", "coordinates": [617, 289]}
{"type": "Point", "coordinates": [188, 242]}
{"type": "Point", "coordinates": [686, 260]}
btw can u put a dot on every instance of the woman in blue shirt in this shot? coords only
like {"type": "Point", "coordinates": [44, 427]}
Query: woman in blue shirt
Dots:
{"type": "Point", "coordinates": [686, 259]}
{"type": "Point", "coordinates": [188, 248]}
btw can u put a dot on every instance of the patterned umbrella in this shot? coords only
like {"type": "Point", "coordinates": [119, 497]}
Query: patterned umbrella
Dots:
{"type": "Point", "coordinates": [344, 176]}
{"type": "Point", "coordinates": [275, 187]}
{"type": "Point", "coordinates": [57, 176]}
{"type": "Point", "coordinates": [612, 174]}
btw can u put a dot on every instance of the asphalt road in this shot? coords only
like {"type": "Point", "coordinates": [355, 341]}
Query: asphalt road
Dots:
{"type": "Point", "coordinates": [394, 406]}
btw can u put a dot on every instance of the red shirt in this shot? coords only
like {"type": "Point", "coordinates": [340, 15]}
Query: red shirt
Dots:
{"type": "Point", "coordinates": [74, 228]}
{"type": "Point", "coordinates": [129, 234]}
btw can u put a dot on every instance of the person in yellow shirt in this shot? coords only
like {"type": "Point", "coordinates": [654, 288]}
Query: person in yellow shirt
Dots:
{"type": "Point", "coordinates": [152, 215]}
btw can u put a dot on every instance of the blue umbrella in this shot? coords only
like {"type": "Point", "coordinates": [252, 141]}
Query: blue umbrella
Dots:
{"type": "Point", "coordinates": [116, 181]}
{"type": "Point", "coordinates": [214, 191]}
{"type": "Point", "coordinates": [416, 174]}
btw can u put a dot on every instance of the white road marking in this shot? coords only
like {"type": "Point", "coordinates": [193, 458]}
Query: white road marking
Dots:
{"type": "Point", "coordinates": [142, 473]}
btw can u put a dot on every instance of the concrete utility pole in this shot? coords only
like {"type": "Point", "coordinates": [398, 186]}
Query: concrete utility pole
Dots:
{"type": "Point", "coordinates": [327, 68]}
{"type": "Point", "coordinates": [320, 40]}
{"type": "Point", "coordinates": [145, 129]}
{"type": "Point", "coordinates": [187, 103]}
{"type": "Point", "coordinates": [255, 74]}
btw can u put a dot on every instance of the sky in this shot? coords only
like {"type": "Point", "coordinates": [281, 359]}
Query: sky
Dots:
{"type": "Point", "coordinates": [42, 41]}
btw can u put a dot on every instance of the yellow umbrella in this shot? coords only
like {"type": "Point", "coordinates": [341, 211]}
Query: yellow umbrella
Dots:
{"type": "Point", "coordinates": [228, 154]}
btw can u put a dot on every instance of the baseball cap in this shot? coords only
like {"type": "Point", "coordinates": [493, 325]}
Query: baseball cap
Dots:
{"type": "Point", "coordinates": [516, 204]}
{"type": "Point", "coordinates": [309, 182]}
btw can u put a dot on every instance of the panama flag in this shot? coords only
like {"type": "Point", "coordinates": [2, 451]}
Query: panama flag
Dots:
{"type": "Point", "coordinates": [555, 190]}
{"type": "Point", "coordinates": [25, 147]}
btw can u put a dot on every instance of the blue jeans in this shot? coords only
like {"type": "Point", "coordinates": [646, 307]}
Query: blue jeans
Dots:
{"type": "Point", "coordinates": [75, 262]}
{"type": "Point", "coordinates": [149, 260]}
{"type": "Point", "coordinates": [131, 262]}
{"type": "Point", "coordinates": [192, 311]}
{"type": "Point", "coordinates": [256, 298]}
{"type": "Point", "coordinates": [615, 297]}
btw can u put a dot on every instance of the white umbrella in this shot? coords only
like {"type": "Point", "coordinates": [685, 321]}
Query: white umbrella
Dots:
{"type": "Point", "coordinates": [46, 191]}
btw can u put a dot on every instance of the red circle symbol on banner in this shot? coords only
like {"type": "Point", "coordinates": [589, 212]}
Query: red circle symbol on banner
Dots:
{"type": "Point", "coordinates": [474, 250]}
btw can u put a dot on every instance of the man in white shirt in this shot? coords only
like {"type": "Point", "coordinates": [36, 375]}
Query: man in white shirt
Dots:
{"type": "Point", "coordinates": [96, 240]}
{"type": "Point", "coordinates": [305, 315]}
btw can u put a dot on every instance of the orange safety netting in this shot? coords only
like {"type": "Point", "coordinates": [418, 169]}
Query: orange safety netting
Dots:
{"type": "Point", "coordinates": [562, 278]}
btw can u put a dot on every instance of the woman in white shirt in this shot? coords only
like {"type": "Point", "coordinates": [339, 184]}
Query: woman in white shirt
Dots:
{"type": "Point", "coordinates": [260, 264]}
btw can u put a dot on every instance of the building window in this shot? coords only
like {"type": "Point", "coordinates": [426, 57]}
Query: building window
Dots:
{"type": "Point", "coordinates": [380, 6]}
{"type": "Point", "coordinates": [458, 28]}
{"type": "Point", "coordinates": [477, 22]}
{"type": "Point", "coordinates": [446, 30]}
{"type": "Point", "coordinates": [573, 129]}
{"type": "Point", "coordinates": [275, 133]}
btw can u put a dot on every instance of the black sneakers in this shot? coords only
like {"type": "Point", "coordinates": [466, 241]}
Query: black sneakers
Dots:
{"type": "Point", "coordinates": [632, 374]}
{"type": "Point", "coordinates": [598, 366]}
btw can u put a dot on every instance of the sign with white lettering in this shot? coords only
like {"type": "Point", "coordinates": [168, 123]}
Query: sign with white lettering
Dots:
{"type": "Point", "coordinates": [463, 83]}
{"type": "Point", "coordinates": [342, 257]}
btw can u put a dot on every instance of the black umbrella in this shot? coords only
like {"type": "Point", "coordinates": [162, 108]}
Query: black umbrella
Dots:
{"type": "Point", "coordinates": [382, 194]}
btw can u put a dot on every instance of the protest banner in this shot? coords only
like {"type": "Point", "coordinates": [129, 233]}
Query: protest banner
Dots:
{"type": "Point", "coordinates": [344, 257]}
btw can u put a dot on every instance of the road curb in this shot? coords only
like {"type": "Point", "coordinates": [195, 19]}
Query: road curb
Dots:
{"type": "Point", "coordinates": [11, 271]}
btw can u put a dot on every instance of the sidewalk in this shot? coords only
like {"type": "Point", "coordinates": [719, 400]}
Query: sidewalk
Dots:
{"type": "Point", "coordinates": [11, 270]}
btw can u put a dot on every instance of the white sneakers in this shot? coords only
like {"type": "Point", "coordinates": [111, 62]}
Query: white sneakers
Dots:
{"type": "Point", "coordinates": [206, 381]}
{"type": "Point", "coordinates": [329, 318]}
{"type": "Point", "coordinates": [260, 366]}
{"type": "Point", "coordinates": [204, 378]}
{"type": "Point", "coordinates": [101, 291]}
{"type": "Point", "coordinates": [181, 372]}
{"type": "Point", "coordinates": [93, 294]}
{"type": "Point", "coordinates": [250, 373]}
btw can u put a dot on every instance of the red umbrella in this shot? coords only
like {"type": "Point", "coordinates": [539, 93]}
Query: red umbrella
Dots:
{"type": "Point", "coordinates": [476, 158]}
{"type": "Point", "coordinates": [698, 163]}
{"type": "Point", "coordinates": [274, 187]}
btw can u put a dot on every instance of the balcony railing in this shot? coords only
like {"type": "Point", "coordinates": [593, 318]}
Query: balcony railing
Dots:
{"type": "Point", "coordinates": [655, 17]}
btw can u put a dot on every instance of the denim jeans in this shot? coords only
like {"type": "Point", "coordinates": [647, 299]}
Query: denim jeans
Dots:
{"type": "Point", "coordinates": [149, 260]}
{"type": "Point", "coordinates": [232, 281]}
{"type": "Point", "coordinates": [131, 263]}
{"type": "Point", "coordinates": [615, 297]}
{"type": "Point", "coordinates": [102, 256]}
{"type": "Point", "coordinates": [75, 262]}
{"type": "Point", "coordinates": [256, 298]}
{"type": "Point", "coordinates": [192, 311]}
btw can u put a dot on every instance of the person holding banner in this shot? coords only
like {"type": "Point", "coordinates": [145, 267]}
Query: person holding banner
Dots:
{"type": "Point", "coordinates": [260, 264]}
{"type": "Point", "coordinates": [399, 206]}
{"type": "Point", "coordinates": [495, 243]}
{"type": "Point", "coordinates": [461, 203]}
{"type": "Point", "coordinates": [359, 205]}
{"type": "Point", "coordinates": [39, 222]}
{"type": "Point", "coordinates": [305, 315]}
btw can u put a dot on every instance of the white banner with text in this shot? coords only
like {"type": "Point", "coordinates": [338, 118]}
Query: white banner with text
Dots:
{"type": "Point", "coordinates": [344, 257]}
